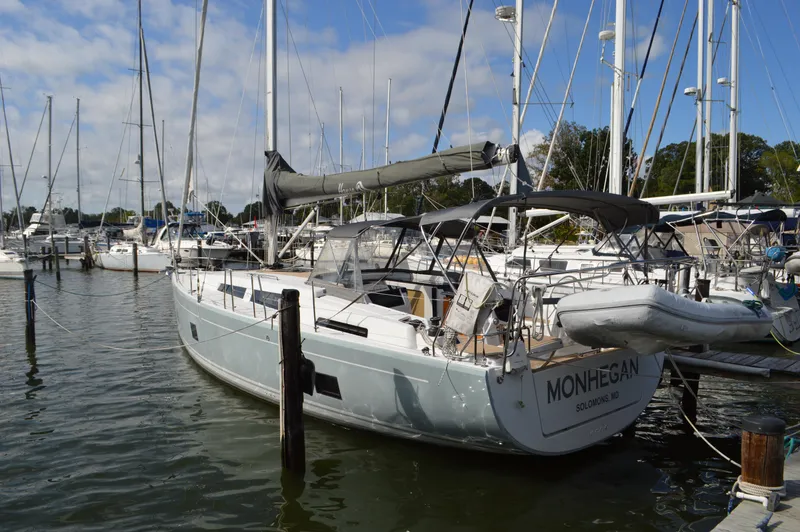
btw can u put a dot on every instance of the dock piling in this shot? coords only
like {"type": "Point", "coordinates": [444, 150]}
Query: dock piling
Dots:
{"type": "Point", "coordinates": [762, 457]}
{"type": "Point", "coordinates": [30, 311]}
{"type": "Point", "coordinates": [66, 250]}
{"type": "Point", "coordinates": [135, 259]}
{"type": "Point", "coordinates": [55, 258]}
{"type": "Point", "coordinates": [88, 260]}
{"type": "Point", "coordinates": [43, 254]}
{"type": "Point", "coordinates": [291, 417]}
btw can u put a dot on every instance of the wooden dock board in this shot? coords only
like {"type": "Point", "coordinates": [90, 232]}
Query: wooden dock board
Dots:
{"type": "Point", "coordinates": [788, 366]}
{"type": "Point", "coordinates": [786, 517]}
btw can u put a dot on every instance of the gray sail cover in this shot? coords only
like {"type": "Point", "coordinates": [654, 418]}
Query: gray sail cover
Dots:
{"type": "Point", "coordinates": [283, 187]}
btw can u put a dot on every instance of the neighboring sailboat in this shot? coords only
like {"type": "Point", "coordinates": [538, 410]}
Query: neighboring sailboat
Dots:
{"type": "Point", "coordinates": [120, 256]}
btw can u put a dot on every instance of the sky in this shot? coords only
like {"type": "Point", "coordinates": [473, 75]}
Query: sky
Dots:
{"type": "Point", "coordinates": [87, 49]}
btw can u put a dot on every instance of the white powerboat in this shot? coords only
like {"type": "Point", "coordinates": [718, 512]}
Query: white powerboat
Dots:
{"type": "Point", "coordinates": [12, 264]}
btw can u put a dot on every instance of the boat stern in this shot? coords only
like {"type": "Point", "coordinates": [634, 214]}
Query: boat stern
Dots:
{"type": "Point", "coordinates": [573, 404]}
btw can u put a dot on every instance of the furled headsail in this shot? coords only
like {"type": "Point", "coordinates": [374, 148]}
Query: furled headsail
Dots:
{"type": "Point", "coordinates": [283, 187]}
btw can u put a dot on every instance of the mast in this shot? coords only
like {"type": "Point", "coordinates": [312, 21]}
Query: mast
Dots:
{"type": "Point", "coordinates": [141, 120]}
{"type": "Point", "coordinates": [388, 102]}
{"type": "Point", "coordinates": [512, 212]}
{"type": "Point", "coordinates": [20, 220]}
{"type": "Point", "coordinates": [616, 177]}
{"type": "Point", "coordinates": [192, 122]}
{"type": "Point", "coordinates": [707, 96]}
{"type": "Point", "coordinates": [271, 34]}
{"type": "Point", "coordinates": [363, 142]}
{"type": "Point", "coordinates": [159, 160]}
{"type": "Point", "coordinates": [49, 202]}
{"type": "Point", "coordinates": [733, 163]}
{"type": "Point", "coordinates": [698, 154]}
{"type": "Point", "coordinates": [341, 153]}
{"type": "Point", "coordinates": [78, 152]}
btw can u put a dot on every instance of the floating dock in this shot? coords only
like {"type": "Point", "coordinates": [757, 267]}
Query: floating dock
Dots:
{"type": "Point", "coordinates": [751, 516]}
{"type": "Point", "coordinates": [738, 365]}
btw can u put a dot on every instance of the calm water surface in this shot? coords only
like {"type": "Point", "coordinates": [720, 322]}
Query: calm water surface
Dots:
{"type": "Point", "coordinates": [112, 428]}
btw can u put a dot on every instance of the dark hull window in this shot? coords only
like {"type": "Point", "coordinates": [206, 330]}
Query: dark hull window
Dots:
{"type": "Point", "coordinates": [327, 385]}
{"type": "Point", "coordinates": [552, 265]}
{"type": "Point", "coordinates": [194, 331]}
{"type": "Point", "coordinates": [268, 299]}
{"type": "Point", "coordinates": [237, 291]}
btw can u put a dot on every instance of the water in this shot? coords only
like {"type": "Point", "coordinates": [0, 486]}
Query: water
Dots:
{"type": "Point", "coordinates": [96, 437]}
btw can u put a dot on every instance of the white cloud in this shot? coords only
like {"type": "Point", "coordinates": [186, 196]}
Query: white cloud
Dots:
{"type": "Point", "coordinates": [87, 50]}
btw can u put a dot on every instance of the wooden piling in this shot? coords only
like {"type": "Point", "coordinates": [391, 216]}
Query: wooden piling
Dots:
{"type": "Point", "coordinates": [55, 258]}
{"type": "Point", "coordinates": [30, 310]}
{"type": "Point", "coordinates": [691, 389]}
{"type": "Point", "coordinates": [292, 430]}
{"type": "Point", "coordinates": [43, 254]}
{"type": "Point", "coordinates": [88, 260]}
{"type": "Point", "coordinates": [135, 259]}
{"type": "Point", "coordinates": [66, 250]}
{"type": "Point", "coordinates": [762, 451]}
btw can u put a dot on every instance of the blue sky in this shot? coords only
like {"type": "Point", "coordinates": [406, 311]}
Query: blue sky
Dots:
{"type": "Point", "coordinates": [87, 49]}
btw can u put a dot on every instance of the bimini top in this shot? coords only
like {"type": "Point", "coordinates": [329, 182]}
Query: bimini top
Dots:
{"type": "Point", "coordinates": [774, 215]}
{"type": "Point", "coordinates": [613, 211]}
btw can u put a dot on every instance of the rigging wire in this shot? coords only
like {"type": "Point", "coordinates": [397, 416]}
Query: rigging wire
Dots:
{"type": "Point", "coordinates": [33, 150]}
{"type": "Point", "coordinates": [241, 104]}
{"type": "Point", "coordinates": [305, 79]}
{"type": "Point", "coordinates": [769, 79]}
{"type": "Point", "coordinates": [632, 187]}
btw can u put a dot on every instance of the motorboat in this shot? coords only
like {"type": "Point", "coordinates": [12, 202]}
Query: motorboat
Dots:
{"type": "Point", "coordinates": [12, 264]}
{"type": "Point", "coordinates": [195, 247]}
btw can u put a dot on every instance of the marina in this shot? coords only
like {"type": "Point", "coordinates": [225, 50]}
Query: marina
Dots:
{"type": "Point", "coordinates": [566, 328]}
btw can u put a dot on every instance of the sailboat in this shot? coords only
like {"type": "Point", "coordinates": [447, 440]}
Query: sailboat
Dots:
{"type": "Point", "coordinates": [120, 256]}
{"type": "Point", "coordinates": [407, 345]}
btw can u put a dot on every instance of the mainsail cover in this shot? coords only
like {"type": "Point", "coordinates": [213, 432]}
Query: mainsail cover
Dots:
{"type": "Point", "coordinates": [283, 187]}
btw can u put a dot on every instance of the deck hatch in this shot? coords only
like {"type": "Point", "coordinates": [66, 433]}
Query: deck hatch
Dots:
{"type": "Point", "coordinates": [343, 327]}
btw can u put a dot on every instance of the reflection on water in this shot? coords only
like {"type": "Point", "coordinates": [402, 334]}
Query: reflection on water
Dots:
{"type": "Point", "coordinates": [99, 438]}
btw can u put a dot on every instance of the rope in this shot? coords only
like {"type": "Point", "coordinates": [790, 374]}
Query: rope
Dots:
{"type": "Point", "coordinates": [150, 349]}
{"type": "Point", "coordinates": [689, 421]}
{"type": "Point", "coordinates": [783, 346]}
{"type": "Point", "coordinates": [756, 490]}
{"type": "Point", "coordinates": [160, 278]}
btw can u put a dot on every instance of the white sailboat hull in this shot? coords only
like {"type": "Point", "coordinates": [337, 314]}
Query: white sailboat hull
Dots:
{"type": "Point", "coordinates": [120, 258]}
{"type": "Point", "coordinates": [402, 392]}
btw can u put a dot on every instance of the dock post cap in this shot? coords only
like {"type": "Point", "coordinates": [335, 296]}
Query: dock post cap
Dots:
{"type": "Point", "coordinates": [767, 425]}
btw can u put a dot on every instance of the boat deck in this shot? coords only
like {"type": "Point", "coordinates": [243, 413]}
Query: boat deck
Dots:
{"type": "Point", "coordinates": [748, 514]}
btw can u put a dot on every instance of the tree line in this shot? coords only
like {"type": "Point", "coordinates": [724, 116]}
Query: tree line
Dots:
{"type": "Point", "coordinates": [580, 161]}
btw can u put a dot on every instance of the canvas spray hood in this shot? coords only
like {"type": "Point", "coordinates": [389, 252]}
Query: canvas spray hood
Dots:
{"type": "Point", "coordinates": [283, 187]}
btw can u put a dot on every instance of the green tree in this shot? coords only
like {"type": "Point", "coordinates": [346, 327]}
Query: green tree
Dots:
{"type": "Point", "coordinates": [218, 212]}
{"type": "Point", "coordinates": [157, 213]}
{"type": "Point", "coordinates": [579, 159]}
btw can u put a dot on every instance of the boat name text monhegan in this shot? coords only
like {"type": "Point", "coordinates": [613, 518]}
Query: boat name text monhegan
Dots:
{"type": "Point", "coordinates": [590, 379]}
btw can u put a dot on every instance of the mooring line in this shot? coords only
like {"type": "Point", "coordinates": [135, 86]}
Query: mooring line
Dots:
{"type": "Point", "coordinates": [160, 278]}
{"type": "Point", "coordinates": [148, 349]}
